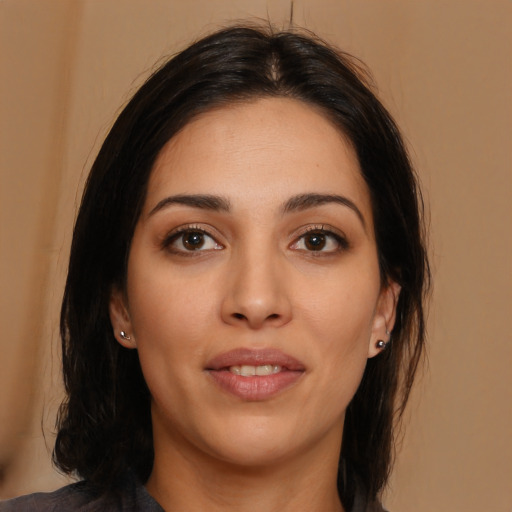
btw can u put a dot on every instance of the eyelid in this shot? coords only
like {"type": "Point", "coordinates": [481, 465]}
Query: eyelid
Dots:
{"type": "Point", "coordinates": [174, 234]}
{"type": "Point", "coordinates": [325, 229]}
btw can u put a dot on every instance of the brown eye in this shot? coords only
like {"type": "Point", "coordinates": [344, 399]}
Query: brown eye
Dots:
{"type": "Point", "coordinates": [193, 240]}
{"type": "Point", "coordinates": [190, 240]}
{"type": "Point", "coordinates": [320, 241]}
{"type": "Point", "coordinates": [315, 241]}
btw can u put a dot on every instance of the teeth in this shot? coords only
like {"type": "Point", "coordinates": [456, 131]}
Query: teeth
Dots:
{"type": "Point", "coordinates": [250, 371]}
{"type": "Point", "coordinates": [267, 369]}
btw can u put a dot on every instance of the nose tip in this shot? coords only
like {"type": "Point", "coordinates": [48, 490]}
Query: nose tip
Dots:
{"type": "Point", "coordinates": [255, 297]}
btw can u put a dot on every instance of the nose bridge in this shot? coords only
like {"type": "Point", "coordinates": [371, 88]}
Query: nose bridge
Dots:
{"type": "Point", "coordinates": [256, 293]}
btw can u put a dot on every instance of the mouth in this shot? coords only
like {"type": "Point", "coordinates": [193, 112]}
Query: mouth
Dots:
{"type": "Point", "coordinates": [255, 375]}
{"type": "Point", "coordinates": [247, 370]}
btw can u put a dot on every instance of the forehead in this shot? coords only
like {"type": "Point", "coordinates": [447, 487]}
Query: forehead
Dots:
{"type": "Point", "coordinates": [260, 150]}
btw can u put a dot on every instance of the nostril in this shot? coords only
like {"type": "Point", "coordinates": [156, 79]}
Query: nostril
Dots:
{"type": "Point", "coordinates": [240, 316]}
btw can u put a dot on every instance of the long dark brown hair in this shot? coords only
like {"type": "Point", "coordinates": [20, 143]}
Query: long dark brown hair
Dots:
{"type": "Point", "coordinates": [105, 424]}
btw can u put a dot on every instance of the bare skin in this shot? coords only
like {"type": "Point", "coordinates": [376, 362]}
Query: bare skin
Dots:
{"type": "Point", "coordinates": [203, 484]}
{"type": "Point", "coordinates": [256, 237]}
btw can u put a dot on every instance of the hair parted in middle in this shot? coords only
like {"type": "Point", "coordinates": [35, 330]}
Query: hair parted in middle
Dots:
{"type": "Point", "coordinates": [105, 423]}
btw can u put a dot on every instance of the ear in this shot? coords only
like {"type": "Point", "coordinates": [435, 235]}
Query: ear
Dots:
{"type": "Point", "coordinates": [120, 319]}
{"type": "Point", "coordinates": [384, 318]}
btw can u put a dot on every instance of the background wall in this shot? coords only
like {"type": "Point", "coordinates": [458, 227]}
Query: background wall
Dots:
{"type": "Point", "coordinates": [444, 69]}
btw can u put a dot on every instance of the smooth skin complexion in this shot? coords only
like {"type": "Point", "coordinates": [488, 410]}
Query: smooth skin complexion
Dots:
{"type": "Point", "coordinates": [254, 253]}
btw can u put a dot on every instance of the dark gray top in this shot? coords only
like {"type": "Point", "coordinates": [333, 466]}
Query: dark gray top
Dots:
{"type": "Point", "coordinates": [132, 497]}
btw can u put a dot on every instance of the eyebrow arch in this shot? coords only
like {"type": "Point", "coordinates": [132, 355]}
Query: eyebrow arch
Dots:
{"type": "Point", "coordinates": [306, 201]}
{"type": "Point", "coordinates": [202, 201]}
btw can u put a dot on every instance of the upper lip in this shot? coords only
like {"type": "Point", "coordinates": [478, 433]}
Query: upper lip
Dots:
{"type": "Point", "coordinates": [254, 357]}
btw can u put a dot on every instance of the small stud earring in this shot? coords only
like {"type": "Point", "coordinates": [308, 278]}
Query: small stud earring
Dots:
{"type": "Point", "coordinates": [124, 336]}
{"type": "Point", "coordinates": [381, 344]}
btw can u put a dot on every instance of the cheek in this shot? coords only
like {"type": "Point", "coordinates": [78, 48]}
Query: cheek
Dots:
{"type": "Point", "coordinates": [170, 325]}
{"type": "Point", "coordinates": [339, 324]}
{"type": "Point", "coordinates": [340, 311]}
{"type": "Point", "coordinates": [171, 313]}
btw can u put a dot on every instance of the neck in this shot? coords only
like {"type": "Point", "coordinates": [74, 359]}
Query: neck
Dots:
{"type": "Point", "coordinates": [185, 479]}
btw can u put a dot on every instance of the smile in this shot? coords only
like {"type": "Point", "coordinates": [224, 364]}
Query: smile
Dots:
{"type": "Point", "coordinates": [255, 375]}
{"type": "Point", "coordinates": [250, 371]}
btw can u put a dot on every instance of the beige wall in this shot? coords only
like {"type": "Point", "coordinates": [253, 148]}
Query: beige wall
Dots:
{"type": "Point", "coordinates": [444, 69]}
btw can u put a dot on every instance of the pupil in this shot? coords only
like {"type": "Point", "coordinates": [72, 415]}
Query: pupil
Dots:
{"type": "Point", "coordinates": [193, 240]}
{"type": "Point", "coordinates": [315, 242]}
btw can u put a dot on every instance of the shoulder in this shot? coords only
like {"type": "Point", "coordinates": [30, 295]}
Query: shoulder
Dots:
{"type": "Point", "coordinates": [361, 504]}
{"type": "Point", "coordinates": [375, 506]}
{"type": "Point", "coordinates": [82, 498]}
{"type": "Point", "coordinates": [73, 497]}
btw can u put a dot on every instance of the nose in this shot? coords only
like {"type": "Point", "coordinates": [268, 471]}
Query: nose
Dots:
{"type": "Point", "coordinates": [256, 292]}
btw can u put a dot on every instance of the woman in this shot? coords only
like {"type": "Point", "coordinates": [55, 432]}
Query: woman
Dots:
{"type": "Point", "coordinates": [242, 318]}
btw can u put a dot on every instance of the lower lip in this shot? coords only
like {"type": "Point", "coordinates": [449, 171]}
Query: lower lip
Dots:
{"type": "Point", "coordinates": [255, 388]}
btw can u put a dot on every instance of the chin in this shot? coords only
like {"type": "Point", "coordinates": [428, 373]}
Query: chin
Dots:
{"type": "Point", "coordinates": [254, 442]}
{"type": "Point", "coordinates": [254, 453]}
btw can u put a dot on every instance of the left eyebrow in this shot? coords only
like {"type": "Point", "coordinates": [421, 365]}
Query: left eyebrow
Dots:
{"type": "Point", "coordinates": [306, 201]}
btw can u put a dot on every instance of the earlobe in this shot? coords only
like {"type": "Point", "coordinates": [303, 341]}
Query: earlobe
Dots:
{"type": "Point", "coordinates": [120, 319]}
{"type": "Point", "coordinates": [384, 319]}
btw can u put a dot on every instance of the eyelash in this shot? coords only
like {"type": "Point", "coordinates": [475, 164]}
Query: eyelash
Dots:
{"type": "Point", "coordinates": [180, 233]}
{"type": "Point", "coordinates": [325, 231]}
{"type": "Point", "coordinates": [321, 230]}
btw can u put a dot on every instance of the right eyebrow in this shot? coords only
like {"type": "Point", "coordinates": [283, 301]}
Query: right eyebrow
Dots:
{"type": "Point", "coordinates": [202, 201]}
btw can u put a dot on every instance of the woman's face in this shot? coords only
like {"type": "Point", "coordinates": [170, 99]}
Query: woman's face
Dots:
{"type": "Point", "coordinates": [253, 290]}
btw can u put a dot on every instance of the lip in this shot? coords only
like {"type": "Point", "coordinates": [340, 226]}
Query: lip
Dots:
{"type": "Point", "coordinates": [254, 388]}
